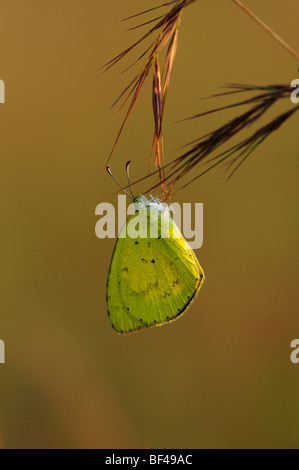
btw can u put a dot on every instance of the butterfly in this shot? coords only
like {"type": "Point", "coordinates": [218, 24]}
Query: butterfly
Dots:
{"type": "Point", "coordinates": [151, 280]}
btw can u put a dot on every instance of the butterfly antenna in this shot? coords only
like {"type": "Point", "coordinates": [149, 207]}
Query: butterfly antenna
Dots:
{"type": "Point", "coordinates": [109, 171]}
{"type": "Point", "coordinates": [128, 176]}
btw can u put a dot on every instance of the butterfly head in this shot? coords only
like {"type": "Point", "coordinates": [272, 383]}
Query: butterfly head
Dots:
{"type": "Point", "coordinates": [139, 200]}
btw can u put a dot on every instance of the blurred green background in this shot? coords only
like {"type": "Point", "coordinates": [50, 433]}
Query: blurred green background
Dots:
{"type": "Point", "coordinates": [221, 376]}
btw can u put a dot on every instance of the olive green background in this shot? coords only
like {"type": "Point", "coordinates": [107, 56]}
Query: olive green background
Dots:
{"type": "Point", "coordinates": [221, 376]}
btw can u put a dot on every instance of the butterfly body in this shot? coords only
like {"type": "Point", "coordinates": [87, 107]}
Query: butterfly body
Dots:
{"type": "Point", "coordinates": [152, 279]}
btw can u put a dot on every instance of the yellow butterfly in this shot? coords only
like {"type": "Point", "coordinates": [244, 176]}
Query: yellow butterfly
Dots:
{"type": "Point", "coordinates": [151, 280]}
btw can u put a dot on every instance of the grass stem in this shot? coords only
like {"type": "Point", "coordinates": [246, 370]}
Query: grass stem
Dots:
{"type": "Point", "coordinates": [272, 33]}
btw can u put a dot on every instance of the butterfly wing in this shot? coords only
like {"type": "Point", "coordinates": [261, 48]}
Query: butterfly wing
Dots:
{"type": "Point", "coordinates": [151, 281]}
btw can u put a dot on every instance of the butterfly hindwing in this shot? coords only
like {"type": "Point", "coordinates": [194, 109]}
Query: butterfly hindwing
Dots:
{"type": "Point", "coordinates": [151, 280]}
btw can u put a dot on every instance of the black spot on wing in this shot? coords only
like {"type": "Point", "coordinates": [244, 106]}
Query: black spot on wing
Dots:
{"type": "Point", "coordinates": [153, 285]}
{"type": "Point", "coordinates": [166, 294]}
